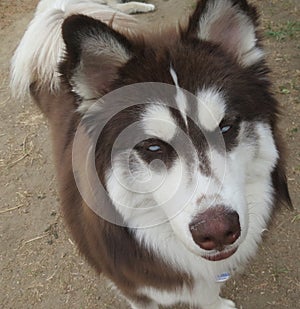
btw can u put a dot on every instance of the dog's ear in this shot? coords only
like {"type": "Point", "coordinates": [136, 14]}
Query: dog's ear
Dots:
{"type": "Point", "coordinates": [94, 54]}
{"type": "Point", "coordinates": [230, 23]}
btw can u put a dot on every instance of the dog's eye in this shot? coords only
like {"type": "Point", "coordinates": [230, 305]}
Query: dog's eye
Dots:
{"type": "Point", "coordinates": [229, 128]}
{"type": "Point", "coordinates": [225, 129]}
{"type": "Point", "coordinates": [154, 148]}
{"type": "Point", "coordinates": [229, 124]}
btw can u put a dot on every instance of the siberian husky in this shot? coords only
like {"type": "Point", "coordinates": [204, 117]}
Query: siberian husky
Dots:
{"type": "Point", "coordinates": [168, 153]}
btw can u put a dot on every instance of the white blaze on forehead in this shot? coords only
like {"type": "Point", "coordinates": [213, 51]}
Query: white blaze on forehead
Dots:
{"type": "Point", "coordinates": [211, 108]}
{"type": "Point", "coordinates": [180, 98]}
{"type": "Point", "coordinates": [158, 122]}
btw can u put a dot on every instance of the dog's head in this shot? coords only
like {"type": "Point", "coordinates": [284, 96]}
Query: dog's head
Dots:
{"type": "Point", "coordinates": [183, 125]}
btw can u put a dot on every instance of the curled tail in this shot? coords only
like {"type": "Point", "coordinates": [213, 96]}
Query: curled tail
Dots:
{"type": "Point", "coordinates": [41, 49]}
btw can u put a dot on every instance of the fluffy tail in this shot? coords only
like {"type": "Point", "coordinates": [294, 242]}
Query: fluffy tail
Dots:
{"type": "Point", "coordinates": [41, 48]}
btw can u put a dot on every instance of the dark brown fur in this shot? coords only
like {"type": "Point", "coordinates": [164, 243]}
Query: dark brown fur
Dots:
{"type": "Point", "coordinates": [112, 249]}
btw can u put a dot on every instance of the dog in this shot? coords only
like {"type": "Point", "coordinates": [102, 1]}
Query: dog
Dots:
{"type": "Point", "coordinates": [168, 154]}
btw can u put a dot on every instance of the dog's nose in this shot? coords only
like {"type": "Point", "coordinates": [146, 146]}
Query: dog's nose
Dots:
{"type": "Point", "coordinates": [215, 228]}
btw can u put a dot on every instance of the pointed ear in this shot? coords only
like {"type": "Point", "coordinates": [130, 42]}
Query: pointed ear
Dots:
{"type": "Point", "coordinates": [230, 23]}
{"type": "Point", "coordinates": [94, 54]}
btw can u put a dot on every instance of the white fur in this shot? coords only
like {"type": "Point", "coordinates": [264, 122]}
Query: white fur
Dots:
{"type": "Point", "coordinates": [158, 122]}
{"type": "Point", "coordinates": [41, 48]}
{"type": "Point", "coordinates": [201, 295]}
{"type": "Point", "coordinates": [180, 98]}
{"type": "Point", "coordinates": [177, 200]}
{"type": "Point", "coordinates": [211, 108]}
{"type": "Point", "coordinates": [131, 7]}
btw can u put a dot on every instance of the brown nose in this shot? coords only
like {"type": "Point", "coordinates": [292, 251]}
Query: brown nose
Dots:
{"type": "Point", "coordinates": [216, 228]}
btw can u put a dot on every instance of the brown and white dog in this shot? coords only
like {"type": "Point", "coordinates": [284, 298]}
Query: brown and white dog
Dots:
{"type": "Point", "coordinates": [168, 154]}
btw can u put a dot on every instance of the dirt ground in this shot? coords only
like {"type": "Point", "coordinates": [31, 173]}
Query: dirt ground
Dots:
{"type": "Point", "coordinates": [39, 264]}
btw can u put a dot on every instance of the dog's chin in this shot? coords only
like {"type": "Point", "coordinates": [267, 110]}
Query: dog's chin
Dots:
{"type": "Point", "coordinates": [222, 255]}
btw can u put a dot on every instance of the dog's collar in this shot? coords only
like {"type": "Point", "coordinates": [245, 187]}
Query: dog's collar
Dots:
{"type": "Point", "coordinates": [223, 277]}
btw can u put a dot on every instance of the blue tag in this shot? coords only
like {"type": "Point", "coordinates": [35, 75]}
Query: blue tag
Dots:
{"type": "Point", "coordinates": [223, 277]}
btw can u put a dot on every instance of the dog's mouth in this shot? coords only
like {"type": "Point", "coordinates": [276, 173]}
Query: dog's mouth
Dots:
{"type": "Point", "coordinates": [222, 255]}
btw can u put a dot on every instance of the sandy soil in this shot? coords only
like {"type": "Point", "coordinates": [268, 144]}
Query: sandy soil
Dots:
{"type": "Point", "coordinates": [39, 264]}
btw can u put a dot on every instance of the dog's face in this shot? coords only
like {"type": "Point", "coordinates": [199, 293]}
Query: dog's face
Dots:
{"type": "Point", "coordinates": [186, 127]}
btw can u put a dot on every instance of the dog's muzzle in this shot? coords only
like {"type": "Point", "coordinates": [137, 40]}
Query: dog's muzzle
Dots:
{"type": "Point", "coordinates": [216, 231]}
